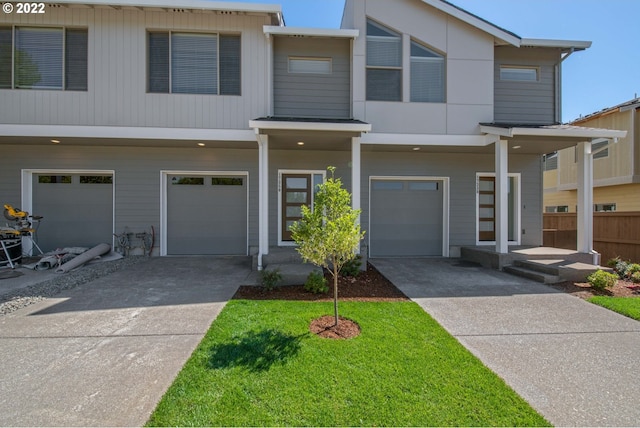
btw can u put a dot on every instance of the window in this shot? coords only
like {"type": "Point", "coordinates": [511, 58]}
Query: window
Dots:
{"type": "Point", "coordinates": [96, 179]}
{"type": "Point", "coordinates": [602, 153]}
{"type": "Point", "coordinates": [427, 75]}
{"type": "Point", "coordinates": [193, 63]}
{"type": "Point", "coordinates": [227, 181]}
{"type": "Point", "coordinates": [310, 65]}
{"type": "Point", "coordinates": [384, 63]}
{"type": "Point", "coordinates": [188, 181]}
{"type": "Point", "coordinates": [604, 207]}
{"type": "Point", "coordinates": [43, 58]}
{"type": "Point", "coordinates": [556, 209]}
{"type": "Point", "coordinates": [518, 74]}
{"type": "Point", "coordinates": [52, 179]}
{"type": "Point", "coordinates": [550, 162]}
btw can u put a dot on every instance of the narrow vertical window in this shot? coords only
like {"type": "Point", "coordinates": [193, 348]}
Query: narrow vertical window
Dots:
{"type": "Point", "coordinates": [6, 56]}
{"type": "Point", "coordinates": [158, 58]}
{"type": "Point", "coordinates": [229, 65]}
{"type": "Point", "coordinates": [384, 63]}
{"type": "Point", "coordinates": [427, 75]}
{"type": "Point", "coordinates": [76, 53]}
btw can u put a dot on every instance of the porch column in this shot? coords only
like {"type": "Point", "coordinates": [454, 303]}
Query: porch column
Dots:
{"type": "Point", "coordinates": [585, 197]}
{"type": "Point", "coordinates": [355, 176]}
{"type": "Point", "coordinates": [263, 197]}
{"type": "Point", "coordinates": [502, 196]}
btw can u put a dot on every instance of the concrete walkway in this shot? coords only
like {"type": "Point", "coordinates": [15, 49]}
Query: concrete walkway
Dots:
{"type": "Point", "coordinates": [574, 362]}
{"type": "Point", "coordinates": [104, 353]}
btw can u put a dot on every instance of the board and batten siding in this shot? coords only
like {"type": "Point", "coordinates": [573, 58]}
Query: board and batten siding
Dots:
{"type": "Point", "coordinates": [526, 102]}
{"type": "Point", "coordinates": [461, 170]}
{"type": "Point", "coordinates": [117, 73]}
{"type": "Point", "coordinates": [136, 176]}
{"type": "Point", "coordinates": [312, 95]}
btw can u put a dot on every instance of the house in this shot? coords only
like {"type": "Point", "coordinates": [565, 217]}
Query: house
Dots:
{"type": "Point", "coordinates": [616, 167]}
{"type": "Point", "coordinates": [213, 122]}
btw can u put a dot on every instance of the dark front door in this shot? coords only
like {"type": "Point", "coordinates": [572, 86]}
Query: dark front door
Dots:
{"type": "Point", "coordinates": [296, 192]}
{"type": "Point", "coordinates": [486, 208]}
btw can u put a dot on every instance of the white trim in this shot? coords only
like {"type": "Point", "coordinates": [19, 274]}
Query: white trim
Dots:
{"type": "Point", "coordinates": [517, 200]}
{"type": "Point", "coordinates": [552, 43]}
{"type": "Point", "coordinates": [309, 126]}
{"type": "Point", "coordinates": [445, 204]}
{"type": "Point", "coordinates": [554, 131]}
{"type": "Point", "coordinates": [27, 193]}
{"type": "Point", "coordinates": [183, 4]}
{"type": "Point", "coordinates": [126, 132]}
{"type": "Point", "coordinates": [427, 140]}
{"type": "Point", "coordinates": [310, 32]}
{"type": "Point", "coordinates": [310, 172]}
{"type": "Point", "coordinates": [163, 200]}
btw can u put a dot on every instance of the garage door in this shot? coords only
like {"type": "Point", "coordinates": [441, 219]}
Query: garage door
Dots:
{"type": "Point", "coordinates": [77, 209]}
{"type": "Point", "coordinates": [206, 215]}
{"type": "Point", "coordinates": [406, 218]}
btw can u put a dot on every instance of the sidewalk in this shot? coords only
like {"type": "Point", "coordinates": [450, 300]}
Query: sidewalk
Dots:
{"type": "Point", "coordinates": [574, 362]}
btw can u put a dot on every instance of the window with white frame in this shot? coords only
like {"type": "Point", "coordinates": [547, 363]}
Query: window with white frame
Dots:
{"type": "Point", "coordinates": [427, 74]}
{"type": "Point", "coordinates": [556, 209]}
{"type": "Point", "coordinates": [43, 58]}
{"type": "Point", "coordinates": [604, 207]}
{"type": "Point", "coordinates": [309, 65]}
{"type": "Point", "coordinates": [384, 63]}
{"type": "Point", "coordinates": [193, 63]}
{"type": "Point", "coordinates": [519, 73]}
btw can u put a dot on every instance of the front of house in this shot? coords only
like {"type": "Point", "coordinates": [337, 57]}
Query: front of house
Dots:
{"type": "Point", "coordinates": [214, 122]}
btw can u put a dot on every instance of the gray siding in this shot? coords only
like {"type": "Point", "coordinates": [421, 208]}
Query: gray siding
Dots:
{"type": "Point", "coordinates": [312, 95]}
{"type": "Point", "coordinates": [136, 178]}
{"type": "Point", "coordinates": [461, 170]}
{"type": "Point", "coordinates": [526, 102]}
{"type": "Point", "coordinates": [117, 68]}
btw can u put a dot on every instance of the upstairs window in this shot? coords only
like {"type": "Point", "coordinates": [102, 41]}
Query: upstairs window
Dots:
{"type": "Point", "coordinates": [43, 58]}
{"type": "Point", "coordinates": [427, 75]}
{"type": "Point", "coordinates": [519, 73]}
{"type": "Point", "coordinates": [384, 63]}
{"type": "Point", "coordinates": [193, 63]}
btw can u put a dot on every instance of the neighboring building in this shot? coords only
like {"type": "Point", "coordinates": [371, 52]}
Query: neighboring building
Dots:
{"type": "Point", "coordinates": [213, 122]}
{"type": "Point", "coordinates": [616, 167]}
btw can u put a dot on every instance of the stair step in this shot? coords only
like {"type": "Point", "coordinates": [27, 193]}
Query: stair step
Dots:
{"type": "Point", "coordinates": [533, 275]}
{"type": "Point", "coordinates": [567, 270]}
{"type": "Point", "coordinates": [550, 267]}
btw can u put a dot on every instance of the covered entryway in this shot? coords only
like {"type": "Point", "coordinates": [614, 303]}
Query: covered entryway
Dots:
{"type": "Point", "coordinates": [77, 208]}
{"type": "Point", "coordinates": [407, 217]}
{"type": "Point", "coordinates": [206, 213]}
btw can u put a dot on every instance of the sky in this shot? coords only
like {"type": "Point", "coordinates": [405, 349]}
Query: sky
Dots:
{"type": "Point", "coordinates": [603, 76]}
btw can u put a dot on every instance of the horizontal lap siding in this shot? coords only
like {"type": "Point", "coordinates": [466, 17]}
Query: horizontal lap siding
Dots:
{"type": "Point", "coordinates": [307, 94]}
{"type": "Point", "coordinates": [526, 102]}
{"type": "Point", "coordinates": [117, 84]}
{"type": "Point", "coordinates": [137, 175]}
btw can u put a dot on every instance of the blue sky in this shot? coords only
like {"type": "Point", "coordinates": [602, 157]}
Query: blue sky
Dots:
{"type": "Point", "coordinates": [605, 75]}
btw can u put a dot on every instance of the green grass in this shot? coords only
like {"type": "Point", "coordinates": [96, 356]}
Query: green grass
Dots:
{"type": "Point", "coordinates": [627, 306]}
{"type": "Point", "coordinates": [260, 366]}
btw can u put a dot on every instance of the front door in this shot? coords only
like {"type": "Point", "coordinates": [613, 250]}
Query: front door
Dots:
{"type": "Point", "coordinates": [296, 192]}
{"type": "Point", "coordinates": [486, 208]}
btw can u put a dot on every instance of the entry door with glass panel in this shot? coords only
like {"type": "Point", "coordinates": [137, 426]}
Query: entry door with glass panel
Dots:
{"type": "Point", "coordinates": [486, 208]}
{"type": "Point", "coordinates": [297, 190]}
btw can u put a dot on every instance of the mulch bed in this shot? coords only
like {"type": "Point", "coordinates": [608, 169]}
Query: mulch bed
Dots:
{"type": "Point", "coordinates": [326, 327]}
{"type": "Point", "coordinates": [584, 291]}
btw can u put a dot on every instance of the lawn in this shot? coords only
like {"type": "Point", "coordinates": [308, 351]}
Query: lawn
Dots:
{"type": "Point", "coordinates": [627, 306]}
{"type": "Point", "coordinates": [260, 366]}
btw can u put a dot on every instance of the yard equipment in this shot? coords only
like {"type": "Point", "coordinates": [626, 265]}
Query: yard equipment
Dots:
{"type": "Point", "coordinates": [21, 226]}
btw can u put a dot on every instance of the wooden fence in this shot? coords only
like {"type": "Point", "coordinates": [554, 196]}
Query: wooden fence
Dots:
{"type": "Point", "coordinates": [614, 233]}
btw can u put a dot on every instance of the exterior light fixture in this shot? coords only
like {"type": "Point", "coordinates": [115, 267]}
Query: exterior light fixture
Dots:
{"type": "Point", "coordinates": [415, 149]}
{"type": "Point", "coordinates": [201, 144]}
{"type": "Point", "coordinates": [516, 147]}
{"type": "Point", "coordinates": [55, 141]}
{"type": "Point", "coordinates": [301, 143]}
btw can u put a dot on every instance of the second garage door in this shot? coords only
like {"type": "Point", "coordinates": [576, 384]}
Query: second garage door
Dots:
{"type": "Point", "coordinates": [206, 215]}
{"type": "Point", "coordinates": [406, 218]}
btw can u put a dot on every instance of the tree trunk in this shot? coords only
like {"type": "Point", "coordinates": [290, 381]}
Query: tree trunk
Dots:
{"type": "Point", "coordinates": [335, 290]}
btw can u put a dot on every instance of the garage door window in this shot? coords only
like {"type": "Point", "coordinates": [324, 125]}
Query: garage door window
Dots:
{"type": "Point", "coordinates": [188, 181]}
{"type": "Point", "coordinates": [96, 179]}
{"type": "Point", "coordinates": [53, 179]}
{"type": "Point", "coordinates": [227, 181]}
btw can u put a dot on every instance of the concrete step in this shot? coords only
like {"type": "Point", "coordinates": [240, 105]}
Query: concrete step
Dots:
{"type": "Point", "coordinates": [532, 274]}
{"type": "Point", "coordinates": [567, 270]}
{"type": "Point", "coordinates": [283, 255]}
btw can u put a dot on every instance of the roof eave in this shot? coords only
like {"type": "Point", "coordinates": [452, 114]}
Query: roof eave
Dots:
{"type": "Point", "coordinates": [565, 45]}
{"type": "Point", "coordinates": [310, 32]}
{"type": "Point", "coordinates": [553, 131]}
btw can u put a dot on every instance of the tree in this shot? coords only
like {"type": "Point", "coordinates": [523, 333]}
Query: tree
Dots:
{"type": "Point", "coordinates": [328, 234]}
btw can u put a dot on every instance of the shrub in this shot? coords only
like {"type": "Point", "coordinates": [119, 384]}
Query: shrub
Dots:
{"type": "Point", "coordinates": [635, 277]}
{"type": "Point", "coordinates": [613, 262]}
{"type": "Point", "coordinates": [621, 268]}
{"type": "Point", "coordinates": [631, 270]}
{"type": "Point", "coordinates": [316, 283]}
{"type": "Point", "coordinates": [352, 267]}
{"type": "Point", "coordinates": [269, 279]}
{"type": "Point", "coordinates": [601, 280]}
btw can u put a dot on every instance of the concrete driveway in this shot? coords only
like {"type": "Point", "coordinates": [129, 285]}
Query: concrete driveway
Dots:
{"type": "Point", "coordinates": [574, 362]}
{"type": "Point", "coordinates": [104, 353]}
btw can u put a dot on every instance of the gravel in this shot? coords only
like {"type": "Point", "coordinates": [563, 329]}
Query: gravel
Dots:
{"type": "Point", "coordinates": [12, 301]}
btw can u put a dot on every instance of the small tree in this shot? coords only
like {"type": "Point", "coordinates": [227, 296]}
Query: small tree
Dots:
{"type": "Point", "coordinates": [329, 234]}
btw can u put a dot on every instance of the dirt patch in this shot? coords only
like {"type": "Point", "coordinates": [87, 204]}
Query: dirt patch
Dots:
{"type": "Point", "coordinates": [368, 286]}
{"type": "Point", "coordinates": [326, 327]}
{"type": "Point", "coordinates": [584, 291]}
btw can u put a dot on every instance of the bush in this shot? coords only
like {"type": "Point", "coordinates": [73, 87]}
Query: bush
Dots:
{"type": "Point", "coordinates": [632, 269]}
{"type": "Point", "coordinates": [621, 268]}
{"type": "Point", "coordinates": [601, 280]}
{"type": "Point", "coordinates": [269, 279]}
{"type": "Point", "coordinates": [635, 277]}
{"type": "Point", "coordinates": [352, 267]}
{"type": "Point", "coordinates": [316, 283]}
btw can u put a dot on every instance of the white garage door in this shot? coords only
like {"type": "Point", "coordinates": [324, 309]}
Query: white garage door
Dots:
{"type": "Point", "coordinates": [206, 215]}
{"type": "Point", "coordinates": [406, 218]}
{"type": "Point", "coordinates": [77, 209]}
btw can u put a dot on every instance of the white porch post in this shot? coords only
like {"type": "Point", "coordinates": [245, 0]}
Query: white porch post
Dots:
{"type": "Point", "coordinates": [585, 197]}
{"type": "Point", "coordinates": [502, 196]}
{"type": "Point", "coordinates": [263, 197]}
{"type": "Point", "coordinates": [355, 175]}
